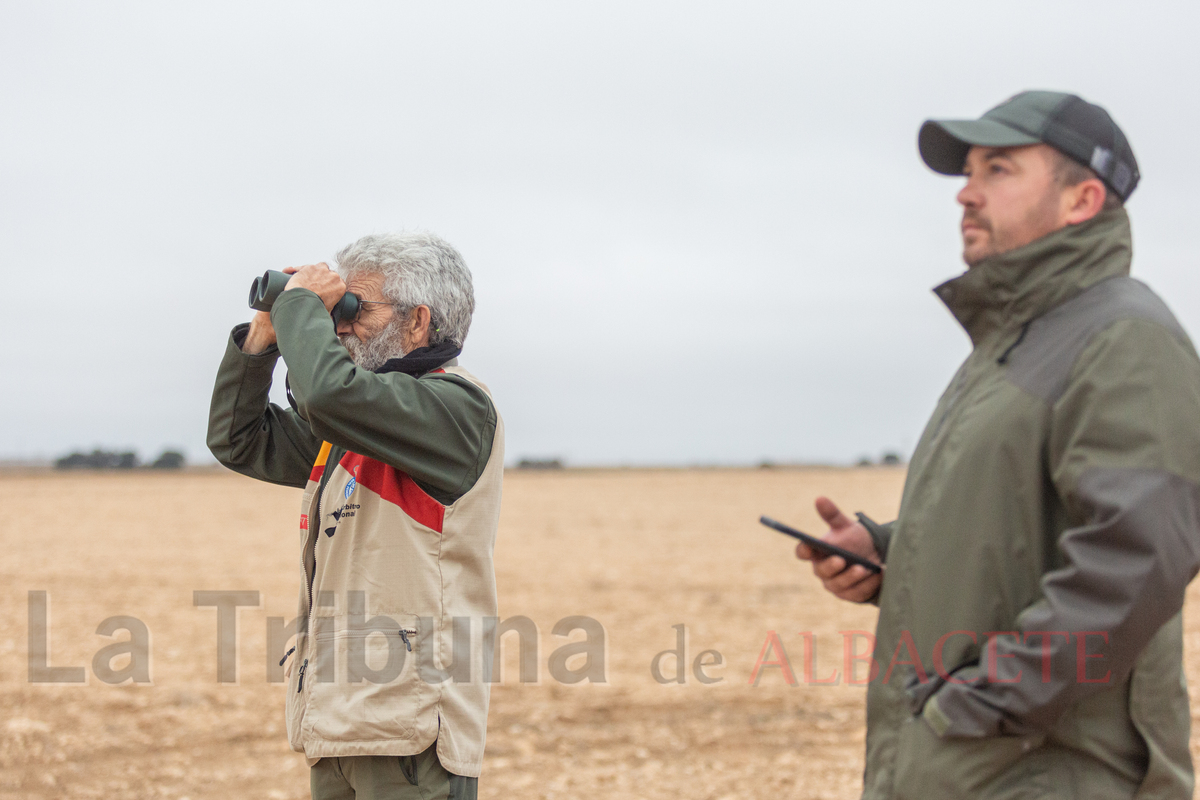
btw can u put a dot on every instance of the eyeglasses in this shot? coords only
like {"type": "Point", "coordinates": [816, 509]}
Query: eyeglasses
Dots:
{"type": "Point", "coordinates": [350, 307]}
{"type": "Point", "coordinates": [349, 311]}
{"type": "Point", "coordinates": [378, 303]}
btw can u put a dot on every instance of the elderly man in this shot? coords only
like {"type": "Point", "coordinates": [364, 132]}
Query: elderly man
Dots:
{"type": "Point", "coordinates": [400, 455]}
{"type": "Point", "coordinates": [1029, 641]}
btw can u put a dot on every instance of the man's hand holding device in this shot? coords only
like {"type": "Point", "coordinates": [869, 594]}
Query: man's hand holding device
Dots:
{"type": "Point", "coordinates": [848, 581]}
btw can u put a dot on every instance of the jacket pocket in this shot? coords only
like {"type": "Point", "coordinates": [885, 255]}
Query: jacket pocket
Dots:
{"type": "Point", "coordinates": [929, 767]}
{"type": "Point", "coordinates": [363, 684]}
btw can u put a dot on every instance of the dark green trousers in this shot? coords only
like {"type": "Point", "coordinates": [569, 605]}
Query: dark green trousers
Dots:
{"type": "Point", "coordinates": [419, 777]}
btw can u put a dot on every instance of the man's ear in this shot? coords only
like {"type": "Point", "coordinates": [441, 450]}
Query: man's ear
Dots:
{"type": "Point", "coordinates": [1083, 201]}
{"type": "Point", "coordinates": [418, 324]}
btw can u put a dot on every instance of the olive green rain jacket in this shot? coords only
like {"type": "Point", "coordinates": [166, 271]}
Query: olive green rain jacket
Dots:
{"type": "Point", "coordinates": [1029, 641]}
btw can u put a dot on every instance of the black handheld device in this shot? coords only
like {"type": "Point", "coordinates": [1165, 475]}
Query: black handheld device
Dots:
{"type": "Point", "coordinates": [821, 546]}
{"type": "Point", "coordinates": [265, 290]}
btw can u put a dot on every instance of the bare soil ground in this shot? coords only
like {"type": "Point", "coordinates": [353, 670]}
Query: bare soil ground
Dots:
{"type": "Point", "coordinates": [640, 551]}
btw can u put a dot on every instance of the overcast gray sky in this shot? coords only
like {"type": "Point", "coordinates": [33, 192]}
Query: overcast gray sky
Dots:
{"type": "Point", "coordinates": [700, 232]}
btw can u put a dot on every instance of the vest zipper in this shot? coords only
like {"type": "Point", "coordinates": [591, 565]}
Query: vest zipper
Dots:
{"type": "Point", "coordinates": [316, 538]}
{"type": "Point", "coordinates": [300, 684]}
{"type": "Point", "coordinates": [404, 633]}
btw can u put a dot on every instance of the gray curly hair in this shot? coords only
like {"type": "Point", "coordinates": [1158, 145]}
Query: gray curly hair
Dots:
{"type": "Point", "coordinates": [419, 269]}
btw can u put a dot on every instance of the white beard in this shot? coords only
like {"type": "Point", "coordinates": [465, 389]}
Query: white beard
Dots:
{"type": "Point", "coordinates": [371, 354]}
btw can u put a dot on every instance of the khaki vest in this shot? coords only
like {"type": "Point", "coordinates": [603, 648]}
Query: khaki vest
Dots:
{"type": "Point", "coordinates": [377, 668]}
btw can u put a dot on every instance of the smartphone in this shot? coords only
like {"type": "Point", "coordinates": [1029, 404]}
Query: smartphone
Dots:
{"type": "Point", "coordinates": [821, 546]}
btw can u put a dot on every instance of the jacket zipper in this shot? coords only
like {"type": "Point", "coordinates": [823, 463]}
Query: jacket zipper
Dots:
{"type": "Point", "coordinates": [956, 391]}
{"type": "Point", "coordinates": [300, 685]}
{"type": "Point", "coordinates": [962, 384]}
{"type": "Point", "coordinates": [404, 634]}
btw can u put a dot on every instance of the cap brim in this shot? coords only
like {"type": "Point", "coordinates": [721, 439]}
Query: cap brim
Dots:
{"type": "Point", "coordinates": [944, 142]}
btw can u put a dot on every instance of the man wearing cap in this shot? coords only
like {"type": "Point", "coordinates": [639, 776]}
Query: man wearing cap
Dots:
{"type": "Point", "coordinates": [1030, 641]}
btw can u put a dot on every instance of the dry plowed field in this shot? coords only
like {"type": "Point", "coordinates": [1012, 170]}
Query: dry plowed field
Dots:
{"type": "Point", "coordinates": [639, 551]}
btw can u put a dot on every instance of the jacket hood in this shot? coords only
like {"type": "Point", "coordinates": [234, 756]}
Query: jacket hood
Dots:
{"type": "Point", "coordinates": [1010, 289]}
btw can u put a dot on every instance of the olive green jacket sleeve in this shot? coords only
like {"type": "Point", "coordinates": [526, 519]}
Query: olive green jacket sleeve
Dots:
{"type": "Point", "coordinates": [1125, 456]}
{"type": "Point", "coordinates": [881, 537]}
{"type": "Point", "coordinates": [249, 434]}
{"type": "Point", "coordinates": [438, 429]}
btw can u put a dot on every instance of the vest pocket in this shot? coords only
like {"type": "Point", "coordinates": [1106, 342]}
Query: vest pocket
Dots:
{"type": "Point", "coordinates": [363, 683]}
{"type": "Point", "coordinates": [294, 709]}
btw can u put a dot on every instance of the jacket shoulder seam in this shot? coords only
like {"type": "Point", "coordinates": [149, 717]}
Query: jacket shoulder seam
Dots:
{"type": "Point", "coordinates": [1045, 362]}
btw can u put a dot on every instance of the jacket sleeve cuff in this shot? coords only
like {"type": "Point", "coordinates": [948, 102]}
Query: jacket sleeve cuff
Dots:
{"type": "Point", "coordinates": [237, 339]}
{"type": "Point", "coordinates": [959, 709]}
{"type": "Point", "coordinates": [881, 534]}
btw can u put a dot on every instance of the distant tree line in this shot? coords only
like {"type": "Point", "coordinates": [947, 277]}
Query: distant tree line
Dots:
{"type": "Point", "coordinates": [540, 463]}
{"type": "Point", "coordinates": [107, 459]}
{"type": "Point", "coordinates": [890, 459]}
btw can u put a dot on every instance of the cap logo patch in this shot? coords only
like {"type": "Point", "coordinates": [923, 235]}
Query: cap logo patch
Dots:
{"type": "Point", "coordinates": [1101, 158]}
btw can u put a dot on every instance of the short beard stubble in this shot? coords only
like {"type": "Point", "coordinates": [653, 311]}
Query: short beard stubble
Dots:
{"type": "Point", "coordinates": [1039, 221]}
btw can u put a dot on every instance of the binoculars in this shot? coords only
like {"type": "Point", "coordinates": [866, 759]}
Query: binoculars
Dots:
{"type": "Point", "coordinates": [266, 290]}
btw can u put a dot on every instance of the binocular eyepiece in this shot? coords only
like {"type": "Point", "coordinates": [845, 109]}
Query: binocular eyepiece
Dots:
{"type": "Point", "coordinates": [266, 290]}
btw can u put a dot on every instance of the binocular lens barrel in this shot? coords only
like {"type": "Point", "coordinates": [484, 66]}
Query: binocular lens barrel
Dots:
{"type": "Point", "coordinates": [346, 309]}
{"type": "Point", "coordinates": [265, 291]}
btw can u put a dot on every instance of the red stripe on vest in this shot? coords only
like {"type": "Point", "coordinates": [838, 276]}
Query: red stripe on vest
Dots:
{"type": "Point", "coordinates": [317, 472]}
{"type": "Point", "coordinates": [396, 487]}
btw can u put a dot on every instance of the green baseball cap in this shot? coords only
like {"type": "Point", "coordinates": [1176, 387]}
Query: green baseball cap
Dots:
{"type": "Point", "coordinates": [1080, 130]}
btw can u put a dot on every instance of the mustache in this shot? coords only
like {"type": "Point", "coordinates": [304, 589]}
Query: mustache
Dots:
{"type": "Point", "coordinates": [976, 219]}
